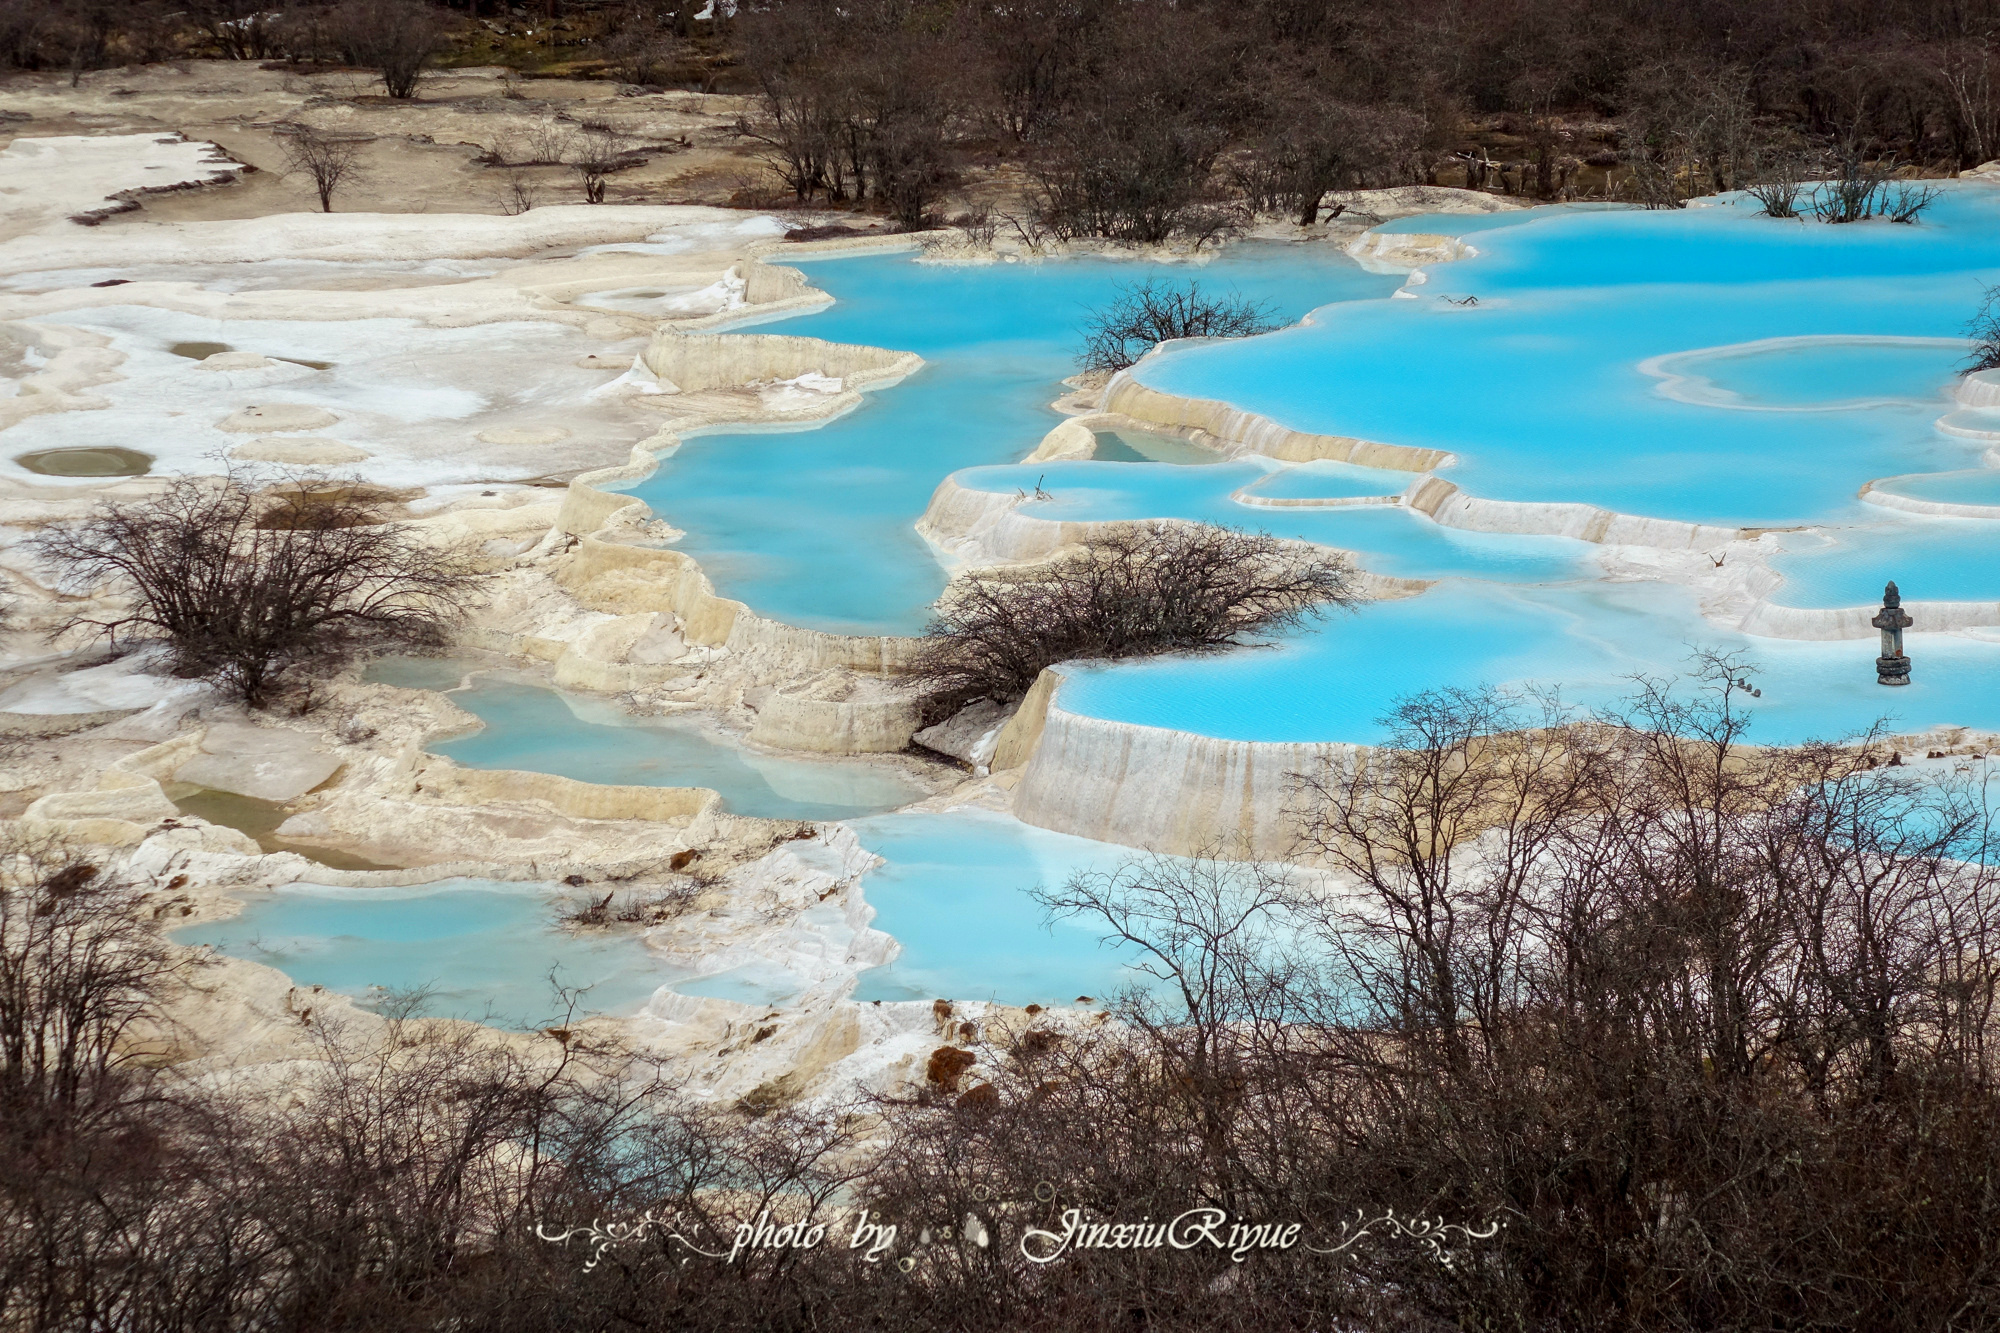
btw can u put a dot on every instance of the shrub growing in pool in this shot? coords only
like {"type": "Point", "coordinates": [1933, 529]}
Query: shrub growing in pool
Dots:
{"type": "Point", "coordinates": [1151, 588]}
{"type": "Point", "coordinates": [1150, 313]}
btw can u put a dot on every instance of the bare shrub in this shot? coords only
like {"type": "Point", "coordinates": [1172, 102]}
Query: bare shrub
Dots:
{"type": "Point", "coordinates": [549, 142]}
{"type": "Point", "coordinates": [239, 29]}
{"type": "Point", "coordinates": [1778, 180]}
{"type": "Point", "coordinates": [1849, 195]}
{"type": "Point", "coordinates": [978, 228]}
{"type": "Point", "coordinates": [1150, 588]}
{"type": "Point", "coordinates": [594, 155]}
{"type": "Point", "coordinates": [1136, 171]}
{"type": "Point", "coordinates": [519, 194]}
{"type": "Point", "coordinates": [1984, 331]}
{"type": "Point", "coordinates": [393, 37]}
{"type": "Point", "coordinates": [1906, 200]}
{"type": "Point", "coordinates": [328, 160]}
{"type": "Point", "coordinates": [244, 586]}
{"type": "Point", "coordinates": [644, 54]}
{"type": "Point", "coordinates": [80, 971]}
{"type": "Point", "coordinates": [1149, 313]}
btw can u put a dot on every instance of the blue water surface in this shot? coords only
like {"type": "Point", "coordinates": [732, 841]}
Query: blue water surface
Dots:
{"type": "Point", "coordinates": [1591, 640]}
{"type": "Point", "coordinates": [482, 949]}
{"type": "Point", "coordinates": [815, 527]}
{"type": "Point", "coordinates": [540, 730]}
{"type": "Point", "coordinates": [1537, 388]}
{"type": "Point", "coordinates": [956, 894]}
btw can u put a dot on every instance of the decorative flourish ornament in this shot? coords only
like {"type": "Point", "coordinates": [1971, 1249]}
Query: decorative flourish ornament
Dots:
{"type": "Point", "coordinates": [1434, 1234]}
{"type": "Point", "coordinates": [606, 1236]}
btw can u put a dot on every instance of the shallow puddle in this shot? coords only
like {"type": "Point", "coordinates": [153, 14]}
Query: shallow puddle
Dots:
{"type": "Point", "coordinates": [1134, 446]}
{"type": "Point", "coordinates": [106, 462]}
{"type": "Point", "coordinates": [260, 820]}
{"type": "Point", "coordinates": [200, 351]}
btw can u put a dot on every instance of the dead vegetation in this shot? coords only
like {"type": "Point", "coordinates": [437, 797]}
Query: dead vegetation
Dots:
{"type": "Point", "coordinates": [248, 587]}
{"type": "Point", "coordinates": [1137, 591]}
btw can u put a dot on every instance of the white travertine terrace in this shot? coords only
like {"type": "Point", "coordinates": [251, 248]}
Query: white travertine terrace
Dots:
{"type": "Point", "coordinates": [87, 178]}
{"type": "Point", "coordinates": [1238, 432]}
{"type": "Point", "coordinates": [607, 607]}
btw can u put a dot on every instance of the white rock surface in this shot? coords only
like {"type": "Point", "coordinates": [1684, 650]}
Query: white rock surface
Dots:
{"type": "Point", "coordinates": [307, 451]}
{"type": "Point", "coordinates": [276, 416]}
{"type": "Point", "coordinates": [262, 762]}
{"type": "Point", "coordinates": [43, 182]}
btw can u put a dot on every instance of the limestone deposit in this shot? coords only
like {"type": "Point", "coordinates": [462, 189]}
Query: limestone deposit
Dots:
{"type": "Point", "coordinates": [502, 378]}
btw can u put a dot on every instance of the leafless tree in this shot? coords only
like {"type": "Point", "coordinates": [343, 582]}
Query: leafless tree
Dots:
{"type": "Point", "coordinates": [244, 586]}
{"type": "Point", "coordinates": [595, 153]}
{"type": "Point", "coordinates": [643, 52]}
{"type": "Point", "coordinates": [330, 160]}
{"type": "Point", "coordinates": [394, 37]}
{"type": "Point", "coordinates": [1311, 145]}
{"type": "Point", "coordinates": [80, 971]}
{"type": "Point", "coordinates": [1967, 73]}
{"type": "Point", "coordinates": [1150, 588]}
{"type": "Point", "coordinates": [1690, 129]}
{"type": "Point", "coordinates": [239, 29]}
{"type": "Point", "coordinates": [1983, 329]}
{"type": "Point", "coordinates": [1148, 313]}
{"type": "Point", "coordinates": [1133, 156]}
{"type": "Point", "coordinates": [518, 195]}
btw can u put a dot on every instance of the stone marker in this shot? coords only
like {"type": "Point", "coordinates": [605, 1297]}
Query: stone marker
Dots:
{"type": "Point", "coordinates": [1892, 668]}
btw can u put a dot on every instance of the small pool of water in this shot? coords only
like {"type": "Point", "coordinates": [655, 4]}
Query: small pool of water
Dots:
{"type": "Point", "coordinates": [260, 820]}
{"type": "Point", "coordinates": [1133, 446]}
{"type": "Point", "coordinates": [484, 948]}
{"type": "Point", "coordinates": [109, 461]}
{"type": "Point", "coordinates": [1816, 374]}
{"type": "Point", "coordinates": [1589, 640]}
{"type": "Point", "coordinates": [200, 351]}
{"type": "Point", "coordinates": [955, 894]}
{"type": "Point", "coordinates": [541, 730]}
{"type": "Point", "coordinates": [659, 302]}
{"type": "Point", "coordinates": [1970, 486]}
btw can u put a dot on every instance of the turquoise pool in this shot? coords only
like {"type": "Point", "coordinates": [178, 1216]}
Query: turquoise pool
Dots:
{"type": "Point", "coordinates": [1386, 540]}
{"type": "Point", "coordinates": [542, 730]}
{"type": "Point", "coordinates": [481, 949]}
{"type": "Point", "coordinates": [815, 527]}
{"type": "Point", "coordinates": [1589, 639]}
{"type": "Point", "coordinates": [956, 894]}
{"type": "Point", "coordinates": [1538, 388]}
